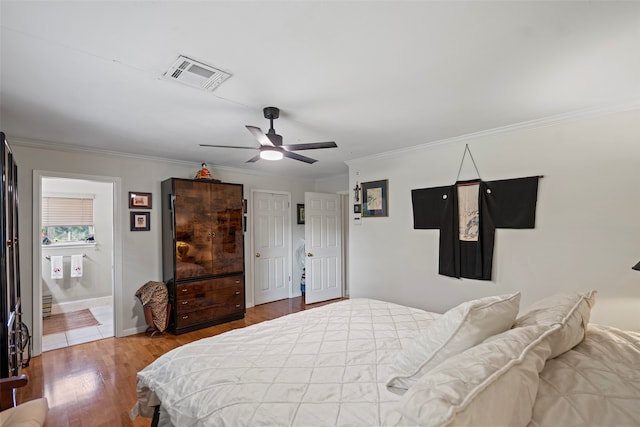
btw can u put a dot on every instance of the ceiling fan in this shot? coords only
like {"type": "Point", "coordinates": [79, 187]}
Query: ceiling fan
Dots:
{"type": "Point", "coordinates": [271, 147]}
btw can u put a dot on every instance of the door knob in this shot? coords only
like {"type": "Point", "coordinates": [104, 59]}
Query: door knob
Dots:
{"type": "Point", "coordinates": [257, 254]}
{"type": "Point", "coordinates": [309, 254]}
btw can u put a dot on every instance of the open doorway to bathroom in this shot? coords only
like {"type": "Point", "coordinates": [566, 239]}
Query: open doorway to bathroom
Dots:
{"type": "Point", "coordinates": [76, 260]}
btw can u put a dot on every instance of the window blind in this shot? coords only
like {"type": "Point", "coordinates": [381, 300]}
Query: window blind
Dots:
{"type": "Point", "coordinates": [59, 211]}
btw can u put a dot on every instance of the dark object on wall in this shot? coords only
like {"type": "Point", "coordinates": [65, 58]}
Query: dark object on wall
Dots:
{"type": "Point", "coordinates": [138, 200]}
{"type": "Point", "coordinates": [636, 267]}
{"type": "Point", "coordinates": [140, 221]}
{"type": "Point", "coordinates": [14, 337]}
{"type": "Point", "coordinates": [300, 213]}
{"type": "Point", "coordinates": [356, 193]}
{"type": "Point", "coordinates": [375, 198]}
{"type": "Point", "coordinates": [467, 250]}
{"type": "Point", "coordinates": [203, 252]}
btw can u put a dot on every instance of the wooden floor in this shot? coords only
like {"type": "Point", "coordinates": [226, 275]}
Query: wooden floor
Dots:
{"type": "Point", "coordinates": [94, 384]}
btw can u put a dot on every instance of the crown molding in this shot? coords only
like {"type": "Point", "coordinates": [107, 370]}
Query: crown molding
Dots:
{"type": "Point", "coordinates": [59, 146]}
{"type": "Point", "coordinates": [62, 147]}
{"type": "Point", "coordinates": [627, 105]}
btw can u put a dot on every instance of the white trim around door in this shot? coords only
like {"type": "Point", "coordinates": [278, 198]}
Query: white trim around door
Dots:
{"type": "Point", "coordinates": [37, 252]}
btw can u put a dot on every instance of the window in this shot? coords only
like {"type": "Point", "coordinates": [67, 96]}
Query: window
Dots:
{"type": "Point", "coordinates": [67, 220]}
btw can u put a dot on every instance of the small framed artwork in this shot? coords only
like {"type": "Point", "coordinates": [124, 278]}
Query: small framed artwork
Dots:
{"type": "Point", "coordinates": [300, 210]}
{"type": "Point", "coordinates": [375, 195]}
{"type": "Point", "coordinates": [140, 221]}
{"type": "Point", "coordinates": [139, 200]}
{"type": "Point", "coordinates": [357, 208]}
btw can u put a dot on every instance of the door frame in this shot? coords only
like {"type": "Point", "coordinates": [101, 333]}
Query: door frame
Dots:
{"type": "Point", "coordinates": [116, 279]}
{"type": "Point", "coordinates": [250, 231]}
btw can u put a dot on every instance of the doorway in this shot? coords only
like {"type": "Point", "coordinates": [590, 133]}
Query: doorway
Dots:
{"type": "Point", "coordinates": [271, 244]}
{"type": "Point", "coordinates": [74, 274]}
{"type": "Point", "coordinates": [323, 243]}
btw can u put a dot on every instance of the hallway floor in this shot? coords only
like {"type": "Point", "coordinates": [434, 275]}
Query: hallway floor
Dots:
{"type": "Point", "coordinates": [103, 314]}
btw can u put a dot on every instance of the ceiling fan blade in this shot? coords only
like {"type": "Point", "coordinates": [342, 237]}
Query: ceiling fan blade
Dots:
{"type": "Point", "coordinates": [275, 139]}
{"type": "Point", "coordinates": [311, 146]}
{"type": "Point", "coordinates": [295, 156]}
{"type": "Point", "coordinates": [229, 146]}
{"type": "Point", "coordinates": [260, 136]}
{"type": "Point", "coordinates": [253, 159]}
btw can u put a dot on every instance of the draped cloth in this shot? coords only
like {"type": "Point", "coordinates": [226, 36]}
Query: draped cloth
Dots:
{"type": "Point", "coordinates": [156, 296]}
{"type": "Point", "coordinates": [467, 250]}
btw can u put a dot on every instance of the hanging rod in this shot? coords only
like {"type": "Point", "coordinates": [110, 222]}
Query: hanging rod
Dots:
{"type": "Point", "coordinates": [49, 256]}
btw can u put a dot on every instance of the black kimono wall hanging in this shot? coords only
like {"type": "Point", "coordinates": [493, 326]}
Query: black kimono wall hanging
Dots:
{"type": "Point", "coordinates": [467, 215]}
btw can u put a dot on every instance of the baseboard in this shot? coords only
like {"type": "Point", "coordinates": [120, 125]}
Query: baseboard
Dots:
{"type": "Point", "coordinates": [67, 307]}
{"type": "Point", "coordinates": [134, 331]}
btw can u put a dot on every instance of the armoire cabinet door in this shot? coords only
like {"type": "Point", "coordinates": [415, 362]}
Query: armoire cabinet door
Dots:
{"type": "Point", "coordinates": [208, 227]}
{"type": "Point", "coordinates": [193, 232]}
{"type": "Point", "coordinates": [227, 243]}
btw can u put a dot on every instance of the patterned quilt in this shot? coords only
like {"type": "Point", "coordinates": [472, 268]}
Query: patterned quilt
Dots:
{"type": "Point", "coordinates": [324, 366]}
{"type": "Point", "coordinates": [328, 366]}
{"type": "Point", "coordinates": [597, 383]}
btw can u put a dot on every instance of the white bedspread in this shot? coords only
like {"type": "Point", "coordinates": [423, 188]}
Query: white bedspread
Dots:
{"type": "Point", "coordinates": [597, 383]}
{"type": "Point", "coordinates": [324, 366]}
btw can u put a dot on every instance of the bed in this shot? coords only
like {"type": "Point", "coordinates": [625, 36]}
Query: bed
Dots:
{"type": "Point", "coordinates": [364, 362]}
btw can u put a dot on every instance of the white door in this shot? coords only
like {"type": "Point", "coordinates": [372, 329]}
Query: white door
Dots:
{"type": "Point", "coordinates": [271, 244]}
{"type": "Point", "coordinates": [323, 245]}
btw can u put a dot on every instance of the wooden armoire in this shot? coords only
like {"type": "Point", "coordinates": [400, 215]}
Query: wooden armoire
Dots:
{"type": "Point", "coordinates": [14, 337]}
{"type": "Point", "coordinates": [203, 252]}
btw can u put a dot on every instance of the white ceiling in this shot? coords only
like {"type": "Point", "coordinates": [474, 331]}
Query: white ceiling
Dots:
{"type": "Point", "coordinates": [373, 76]}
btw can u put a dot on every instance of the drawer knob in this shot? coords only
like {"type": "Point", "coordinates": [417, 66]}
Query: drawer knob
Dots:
{"type": "Point", "coordinates": [237, 281]}
{"type": "Point", "coordinates": [237, 292]}
{"type": "Point", "coordinates": [185, 302]}
{"type": "Point", "coordinates": [185, 317]}
{"type": "Point", "coordinates": [237, 305]}
{"type": "Point", "coordinates": [184, 289]}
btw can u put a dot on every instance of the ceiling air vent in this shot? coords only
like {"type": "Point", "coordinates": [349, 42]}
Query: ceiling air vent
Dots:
{"type": "Point", "coordinates": [196, 74]}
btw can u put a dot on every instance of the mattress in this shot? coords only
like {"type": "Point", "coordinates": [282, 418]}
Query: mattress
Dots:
{"type": "Point", "coordinates": [324, 366]}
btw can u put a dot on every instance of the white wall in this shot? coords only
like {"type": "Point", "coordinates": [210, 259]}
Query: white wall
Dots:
{"type": "Point", "coordinates": [587, 234]}
{"type": "Point", "coordinates": [141, 251]}
{"type": "Point", "coordinates": [333, 184]}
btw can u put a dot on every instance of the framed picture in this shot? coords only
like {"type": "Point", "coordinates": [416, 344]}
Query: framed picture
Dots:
{"type": "Point", "coordinates": [140, 221]}
{"type": "Point", "coordinates": [357, 208]}
{"type": "Point", "coordinates": [139, 200]}
{"type": "Point", "coordinates": [300, 210]}
{"type": "Point", "coordinates": [375, 196]}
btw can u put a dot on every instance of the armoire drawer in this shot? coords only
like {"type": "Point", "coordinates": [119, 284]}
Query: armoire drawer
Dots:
{"type": "Point", "coordinates": [190, 289]}
{"type": "Point", "coordinates": [211, 298]}
{"type": "Point", "coordinates": [206, 315]}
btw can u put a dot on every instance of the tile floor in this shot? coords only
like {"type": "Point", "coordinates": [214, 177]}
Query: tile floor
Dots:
{"type": "Point", "coordinates": [103, 314]}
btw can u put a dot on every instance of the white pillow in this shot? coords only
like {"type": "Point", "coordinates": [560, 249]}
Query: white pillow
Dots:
{"type": "Point", "coordinates": [458, 329]}
{"type": "Point", "coordinates": [571, 311]}
{"type": "Point", "coordinates": [492, 384]}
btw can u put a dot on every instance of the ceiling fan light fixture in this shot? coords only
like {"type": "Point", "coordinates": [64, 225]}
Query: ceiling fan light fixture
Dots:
{"type": "Point", "coordinates": [268, 154]}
